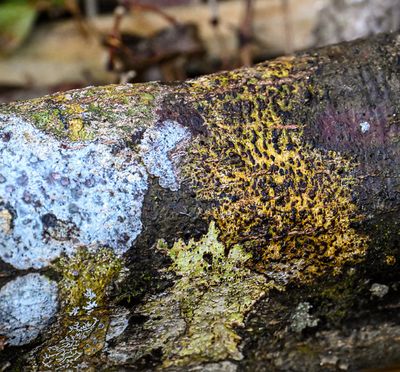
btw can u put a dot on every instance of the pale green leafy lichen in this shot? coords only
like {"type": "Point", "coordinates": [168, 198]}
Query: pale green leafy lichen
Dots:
{"type": "Point", "coordinates": [213, 294]}
{"type": "Point", "coordinates": [301, 318]}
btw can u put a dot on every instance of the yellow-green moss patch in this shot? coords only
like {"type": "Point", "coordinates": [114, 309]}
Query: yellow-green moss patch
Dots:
{"type": "Point", "coordinates": [107, 113]}
{"type": "Point", "coordinates": [81, 329]}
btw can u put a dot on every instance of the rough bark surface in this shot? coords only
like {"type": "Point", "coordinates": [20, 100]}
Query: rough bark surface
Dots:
{"type": "Point", "coordinates": [246, 220]}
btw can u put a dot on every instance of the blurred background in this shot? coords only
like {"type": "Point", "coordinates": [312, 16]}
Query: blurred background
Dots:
{"type": "Point", "coordinates": [55, 45]}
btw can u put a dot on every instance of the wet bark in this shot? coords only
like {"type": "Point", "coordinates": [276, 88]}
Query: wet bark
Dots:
{"type": "Point", "coordinates": [286, 177]}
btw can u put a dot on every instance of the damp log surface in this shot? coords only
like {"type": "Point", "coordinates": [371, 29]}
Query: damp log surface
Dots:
{"type": "Point", "coordinates": [231, 222]}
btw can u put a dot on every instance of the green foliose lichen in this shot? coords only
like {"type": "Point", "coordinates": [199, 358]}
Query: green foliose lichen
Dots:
{"type": "Point", "coordinates": [212, 294]}
{"type": "Point", "coordinates": [81, 328]}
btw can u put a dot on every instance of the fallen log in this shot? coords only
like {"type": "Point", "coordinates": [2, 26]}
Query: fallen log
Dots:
{"type": "Point", "coordinates": [199, 224]}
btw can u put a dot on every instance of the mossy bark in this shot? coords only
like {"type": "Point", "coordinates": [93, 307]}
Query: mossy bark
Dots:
{"type": "Point", "coordinates": [280, 181]}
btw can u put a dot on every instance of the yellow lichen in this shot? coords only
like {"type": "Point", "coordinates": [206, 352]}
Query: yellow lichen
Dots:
{"type": "Point", "coordinates": [5, 221]}
{"type": "Point", "coordinates": [289, 203]}
{"type": "Point", "coordinates": [390, 260]}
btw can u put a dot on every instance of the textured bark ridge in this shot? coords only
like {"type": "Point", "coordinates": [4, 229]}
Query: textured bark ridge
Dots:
{"type": "Point", "coordinates": [246, 220]}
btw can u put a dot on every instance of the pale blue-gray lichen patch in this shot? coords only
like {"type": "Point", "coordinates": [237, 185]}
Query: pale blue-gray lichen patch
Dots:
{"type": "Point", "coordinates": [160, 151]}
{"type": "Point", "coordinates": [57, 195]}
{"type": "Point", "coordinates": [365, 126]}
{"type": "Point", "coordinates": [63, 195]}
{"type": "Point", "coordinates": [27, 305]}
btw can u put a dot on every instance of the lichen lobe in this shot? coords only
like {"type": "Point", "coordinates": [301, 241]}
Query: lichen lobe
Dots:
{"type": "Point", "coordinates": [213, 292]}
{"type": "Point", "coordinates": [158, 145]}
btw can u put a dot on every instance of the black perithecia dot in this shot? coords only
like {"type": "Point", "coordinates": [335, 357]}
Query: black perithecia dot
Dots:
{"type": "Point", "coordinates": [49, 220]}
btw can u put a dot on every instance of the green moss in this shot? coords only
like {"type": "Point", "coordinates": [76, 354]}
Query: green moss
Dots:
{"type": "Point", "coordinates": [212, 295]}
{"type": "Point", "coordinates": [100, 112]}
{"type": "Point", "coordinates": [337, 298]}
{"type": "Point", "coordinates": [61, 122]}
{"type": "Point", "coordinates": [44, 119]}
{"type": "Point", "coordinates": [87, 271]}
{"type": "Point", "coordinates": [80, 331]}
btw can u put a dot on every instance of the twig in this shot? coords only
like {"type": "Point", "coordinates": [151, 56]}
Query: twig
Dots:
{"type": "Point", "coordinates": [135, 4]}
{"type": "Point", "coordinates": [287, 24]}
{"type": "Point", "coordinates": [246, 35]}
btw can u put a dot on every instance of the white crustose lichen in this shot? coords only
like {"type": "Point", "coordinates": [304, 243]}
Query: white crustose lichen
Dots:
{"type": "Point", "coordinates": [56, 195]}
{"type": "Point", "coordinates": [27, 305]}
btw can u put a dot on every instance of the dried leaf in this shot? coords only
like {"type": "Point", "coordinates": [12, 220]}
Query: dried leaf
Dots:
{"type": "Point", "coordinates": [16, 20]}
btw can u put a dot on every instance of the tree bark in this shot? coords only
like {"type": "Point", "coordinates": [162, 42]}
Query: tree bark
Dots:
{"type": "Point", "coordinates": [246, 220]}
